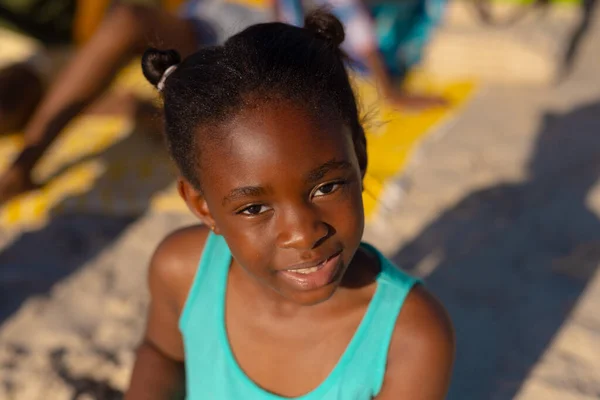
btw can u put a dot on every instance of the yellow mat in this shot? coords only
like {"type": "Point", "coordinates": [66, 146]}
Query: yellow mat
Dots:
{"type": "Point", "coordinates": [392, 136]}
{"type": "Point", "coordinates": [99, 166]}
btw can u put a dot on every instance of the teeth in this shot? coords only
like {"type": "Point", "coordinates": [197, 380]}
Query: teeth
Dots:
{"type": "Point", "coordinates": [307, 270]}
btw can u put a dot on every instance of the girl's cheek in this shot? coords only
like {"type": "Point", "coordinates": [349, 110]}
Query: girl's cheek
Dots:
{"type": "Point", "coordinates": [347, 214]}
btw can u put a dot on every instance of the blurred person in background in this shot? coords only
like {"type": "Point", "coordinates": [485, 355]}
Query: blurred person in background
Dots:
{"type": "Point", "coordinates": [386, 38]}
{"type": "Point", "coordinates": [37, 38]}
{"type": "Point", "coordinates": [127, 30]}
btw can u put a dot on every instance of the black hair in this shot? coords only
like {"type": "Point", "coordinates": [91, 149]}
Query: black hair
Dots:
{"type": "Point", "coordinates": [269, 61]}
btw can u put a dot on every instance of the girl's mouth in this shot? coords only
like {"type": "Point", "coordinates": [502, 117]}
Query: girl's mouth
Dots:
{"type": "Point", "coordinates": [316, 276]}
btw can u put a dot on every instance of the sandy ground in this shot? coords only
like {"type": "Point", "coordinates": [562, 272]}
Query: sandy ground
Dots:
{"type": "Point", "coordinates": [500, 213]}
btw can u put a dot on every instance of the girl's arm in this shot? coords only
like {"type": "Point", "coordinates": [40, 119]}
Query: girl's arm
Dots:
{"type": "Point", "coordinates": [421, 351]}
{"type": "Point", "coordinates": [156, 376]}
{"type": "Point", "coordinates": [158, 373]}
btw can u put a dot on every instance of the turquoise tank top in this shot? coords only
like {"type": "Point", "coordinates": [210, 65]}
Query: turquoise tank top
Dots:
{"type": "Point", "coordinates": [212, 371]}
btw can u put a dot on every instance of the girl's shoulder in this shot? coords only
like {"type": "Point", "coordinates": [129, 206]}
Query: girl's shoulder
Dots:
{"type": "Point", "coordinates": [175, 263]}
{"type": "Point", "coordinates": [421, 352]}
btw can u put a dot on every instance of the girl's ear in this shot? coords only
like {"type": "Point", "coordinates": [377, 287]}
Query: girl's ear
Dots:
{"type": "Point", "coordinates": [359, 140]}
{"type": "Point", "coordinates": [361, 155]}
{"type": "Point", "coordinates": [196, 203]}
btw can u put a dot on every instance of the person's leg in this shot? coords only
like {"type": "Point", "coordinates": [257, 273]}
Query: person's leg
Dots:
{"type": "Point", "coordinates": [125, 32]}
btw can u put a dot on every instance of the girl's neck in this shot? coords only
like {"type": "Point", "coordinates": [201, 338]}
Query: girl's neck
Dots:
{"type": "Point", "coordinates": [361, 273]}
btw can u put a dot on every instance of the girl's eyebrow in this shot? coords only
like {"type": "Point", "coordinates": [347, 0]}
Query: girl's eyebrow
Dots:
{"type": "Point", "coordinates": [312, 176]}
{"type": "Point", "coordinates": [244, 191]}
{"type": "Point", "coordinates": [319, 172]}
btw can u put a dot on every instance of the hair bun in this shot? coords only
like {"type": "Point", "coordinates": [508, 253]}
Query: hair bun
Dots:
{"type": "Point", "coordinates": [155, 62]}
{"type": "Point", "coordinates": [326, 26]}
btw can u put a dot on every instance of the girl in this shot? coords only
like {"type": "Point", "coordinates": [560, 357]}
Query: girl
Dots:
{"type": "Point", "coordinates": [278, 298]}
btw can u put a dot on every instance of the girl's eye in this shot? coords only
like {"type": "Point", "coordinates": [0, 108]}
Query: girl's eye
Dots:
{"type": "Point", "coordinates": [327, 188]}
{"type": "Point", "coordinates": [254, 209]}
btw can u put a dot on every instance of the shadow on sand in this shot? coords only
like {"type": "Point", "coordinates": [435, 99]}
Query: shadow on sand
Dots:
{"type": "Point", "coordinates": [513, 259]}
{"type": "Point", "coordinates": [79, 228]}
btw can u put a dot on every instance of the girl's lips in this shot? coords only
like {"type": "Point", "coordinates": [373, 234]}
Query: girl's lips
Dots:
{"type": "Point", "coordinates": [316, 276]}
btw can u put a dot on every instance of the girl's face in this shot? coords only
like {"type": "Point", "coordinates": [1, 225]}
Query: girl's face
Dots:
{"type": "Point", "coordinates": [284, 189]}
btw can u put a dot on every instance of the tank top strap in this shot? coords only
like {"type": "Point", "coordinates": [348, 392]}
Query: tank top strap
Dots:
{"type": "Point", "coordinates": [393, 286]}
{"type": "Point", "coordinates": [210, 278]}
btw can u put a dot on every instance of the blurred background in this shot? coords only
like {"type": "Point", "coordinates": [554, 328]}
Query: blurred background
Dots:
{"type": "Point", "coordinates": [493, 198]}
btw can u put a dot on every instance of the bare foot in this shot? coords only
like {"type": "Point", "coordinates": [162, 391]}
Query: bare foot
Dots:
{"type": "Point", "coordinates": [14, 182]}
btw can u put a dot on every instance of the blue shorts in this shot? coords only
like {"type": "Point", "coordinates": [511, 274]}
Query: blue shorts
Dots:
{"type": "Point", "coordinates": [403, 29]}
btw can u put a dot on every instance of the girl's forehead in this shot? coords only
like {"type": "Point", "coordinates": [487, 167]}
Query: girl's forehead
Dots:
{"type": "Point", "coordinates": [282, 129]}
{"type": "Point", "coordinates": [285, 138]}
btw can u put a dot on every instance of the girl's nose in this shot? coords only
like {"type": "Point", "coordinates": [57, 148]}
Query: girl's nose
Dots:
{"type": "Point", "coordinates": [301, 228]}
